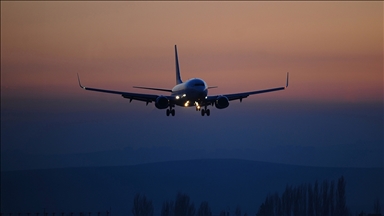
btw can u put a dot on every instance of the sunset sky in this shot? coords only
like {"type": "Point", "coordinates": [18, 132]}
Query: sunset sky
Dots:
{"type": "Point", "coordinates": [331, 114]}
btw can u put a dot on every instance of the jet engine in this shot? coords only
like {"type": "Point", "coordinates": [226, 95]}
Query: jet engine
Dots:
{"type": "Point", "coordinates": [221, 102]}
{"type": "Point", "coordinates": [161, 102]}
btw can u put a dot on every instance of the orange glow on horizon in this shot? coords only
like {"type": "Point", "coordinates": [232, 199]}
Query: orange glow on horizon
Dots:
{"type": "Point", "coordinates": [333, 50]}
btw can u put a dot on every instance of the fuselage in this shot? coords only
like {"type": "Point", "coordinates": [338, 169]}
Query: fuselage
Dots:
{"type": "Point", "coordinates": [190, 92]}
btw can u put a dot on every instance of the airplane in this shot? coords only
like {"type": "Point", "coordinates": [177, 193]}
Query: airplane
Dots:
{"type": "Point", "coordinates": [191, 93]}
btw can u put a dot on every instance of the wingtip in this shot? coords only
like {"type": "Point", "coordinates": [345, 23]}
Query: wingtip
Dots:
{"type": "Point", "coordinates": [78, 79]}
{"type": "Point", "coordinates": [286, 85]}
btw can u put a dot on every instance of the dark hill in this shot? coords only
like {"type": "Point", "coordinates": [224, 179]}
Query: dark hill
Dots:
{"type": "Point", "coordinates": [224, 183]}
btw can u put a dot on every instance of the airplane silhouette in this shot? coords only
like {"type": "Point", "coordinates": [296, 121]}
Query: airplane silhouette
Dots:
{"type": "Point", "coordinates": [193, 92]}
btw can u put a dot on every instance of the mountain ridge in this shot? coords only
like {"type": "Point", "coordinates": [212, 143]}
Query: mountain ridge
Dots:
{"type": "Point", "coordinates": [17, 160]}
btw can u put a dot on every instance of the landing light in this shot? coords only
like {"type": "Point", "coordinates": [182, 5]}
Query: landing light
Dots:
{"type": "Point", "coordinates": [177, 97]}
{"type": "Point", "coordinates": [184, 95]}
{"type": "Point", "coordinates": [197, 105]}
{"type": "Point", "coordinates": [186, 103]}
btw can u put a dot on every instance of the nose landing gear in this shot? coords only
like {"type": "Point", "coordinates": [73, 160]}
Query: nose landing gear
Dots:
{"type": "Point", "coordinates": [197, 106]}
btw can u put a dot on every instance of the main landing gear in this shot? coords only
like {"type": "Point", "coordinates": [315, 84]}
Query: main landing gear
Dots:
{"type": "Point", "coordinates": [205, 111]}
{"type": "Point", "coordinates": [170, 111]}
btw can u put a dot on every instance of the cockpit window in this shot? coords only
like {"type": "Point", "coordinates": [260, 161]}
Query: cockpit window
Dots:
{"type": "Point", "coordinates": [199, 84]}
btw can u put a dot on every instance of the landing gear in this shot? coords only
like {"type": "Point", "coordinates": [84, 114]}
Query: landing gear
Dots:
{"type": "Point", "coordinates": [170, 111]}
{"type": "Point", "coordinates": [205, 111]}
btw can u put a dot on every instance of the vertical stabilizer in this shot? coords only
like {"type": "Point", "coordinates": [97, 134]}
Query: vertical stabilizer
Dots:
{"type": "Point", "coordinates": [178, 77]}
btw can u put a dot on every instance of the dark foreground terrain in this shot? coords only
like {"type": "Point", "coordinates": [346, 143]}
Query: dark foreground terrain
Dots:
{"type": "Point", "coordinates": [223, 183]}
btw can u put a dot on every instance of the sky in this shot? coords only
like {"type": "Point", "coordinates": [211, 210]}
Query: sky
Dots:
{"type": "Point", "coordinates": [331, 114]}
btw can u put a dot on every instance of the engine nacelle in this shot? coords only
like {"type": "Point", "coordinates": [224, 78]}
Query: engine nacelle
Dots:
{"type": "Point", "coordinates": [221, 102]}
{"type": "Point", "coordinates": [161, 102]}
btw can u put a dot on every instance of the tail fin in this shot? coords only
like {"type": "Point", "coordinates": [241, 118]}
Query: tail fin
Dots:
{"type": "Point", "coordinates": [178, 77]}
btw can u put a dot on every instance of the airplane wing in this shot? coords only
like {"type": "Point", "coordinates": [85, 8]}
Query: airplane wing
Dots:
{"type": "Point", "coordinates": [241, 95]}
{"type": "Point", "coordinates": [149, 98]}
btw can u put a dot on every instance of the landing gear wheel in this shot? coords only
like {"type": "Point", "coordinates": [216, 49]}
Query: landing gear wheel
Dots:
{"type": "Point", "coordinates": [208, 112]}
{"type": "Point", "coordinates": [168, 112]}
{"type": "Point", "coordinates": [173, 112]}
{"type": "Point", "coordinates": [202, 112]}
